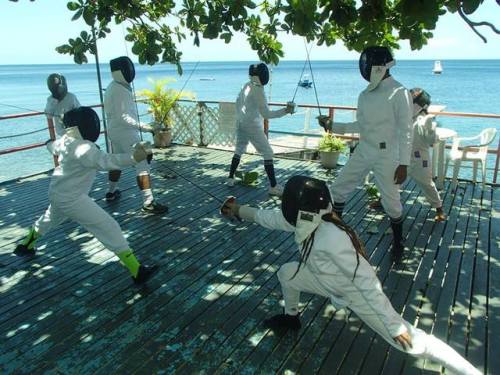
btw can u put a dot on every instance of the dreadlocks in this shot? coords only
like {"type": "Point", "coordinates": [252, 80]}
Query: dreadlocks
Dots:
{"type": "Point", "coordinates": [356, 242]}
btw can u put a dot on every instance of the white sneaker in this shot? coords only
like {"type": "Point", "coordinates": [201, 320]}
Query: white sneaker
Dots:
{"type": "Point", "coordinates": [276, 190]}
{"type": "Point", "coordinates": [230, 182]}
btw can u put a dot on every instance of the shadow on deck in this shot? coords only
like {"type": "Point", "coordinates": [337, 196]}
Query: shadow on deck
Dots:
{"type": "Point", "coordinates": [73, 309]}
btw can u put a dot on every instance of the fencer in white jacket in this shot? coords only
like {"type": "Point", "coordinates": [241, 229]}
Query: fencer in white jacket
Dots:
{"type": "Point", "coordinates": [251, 109]}
{"type": "Point", "coordinates": [124, 130]}
{"type": "Point", "coordinates": [424, 136]}
{"type": "Point", "coordinates": [59, 102]}
{"type": "Point", "coordinates": [79, 159]}
{"type": "Point", "coordinates": [333, 264]}
{"type": "Point", "coordinates": [384, 124]}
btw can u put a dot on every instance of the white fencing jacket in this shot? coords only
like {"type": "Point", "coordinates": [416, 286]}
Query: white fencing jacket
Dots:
{"type": "Point", "coordinates": [121, 112]}
{"type": "Point", "coordinates": [383, 121]}
{"type": "Point", "coordinates": [252, 108]}
{"type": "Point", "coordinates": [333, 261]}
{"type": "Point", "coordinates": [55, 109]}
{"type": "Point", "coordinates": [78, 162]}
{"type": "Point", "coordinates": [424, 132]}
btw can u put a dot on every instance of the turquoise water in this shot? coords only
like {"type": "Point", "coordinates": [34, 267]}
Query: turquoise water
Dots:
{"type": "Point", "coordinates": [464, 86]}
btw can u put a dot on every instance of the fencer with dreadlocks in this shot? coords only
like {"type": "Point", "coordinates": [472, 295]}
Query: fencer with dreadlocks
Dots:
{"type": "Point", "coordinates": [333, 264]}
{"type": "Point", "coordinates": [251, 108]}
{"type": "Point", "coordinates": [424, 136]}
{"type": "Point", "coordinates": [79, 160]}
{"type": "Point", "coordinates": [385, 129]}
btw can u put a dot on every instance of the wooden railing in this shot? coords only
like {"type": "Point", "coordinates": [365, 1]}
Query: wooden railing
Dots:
{"type": "Point", "coordinates": [330, 108]}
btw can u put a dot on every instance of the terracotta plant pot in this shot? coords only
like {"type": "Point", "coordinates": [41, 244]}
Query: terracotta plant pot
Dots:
{"type": "Point", "coordinates": [162, 138]}
{"type": "Point", "coordinates": [329, 159]}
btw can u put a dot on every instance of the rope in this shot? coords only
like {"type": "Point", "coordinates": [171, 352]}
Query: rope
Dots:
{"type": "Point", "coordinates": [301, 74]}
{"type": "Point", "coordinates": [21, 134]}
{"type": "Point", "coordinates": [312, 77]}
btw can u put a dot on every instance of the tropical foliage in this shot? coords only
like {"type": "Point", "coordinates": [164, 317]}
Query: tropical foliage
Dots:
{"type": "Point", "coordinates": [156, 27]}
{"type": "Point", "coordinates": [330, 143]}
{"type": "Point", "coordinates": [161, 100]}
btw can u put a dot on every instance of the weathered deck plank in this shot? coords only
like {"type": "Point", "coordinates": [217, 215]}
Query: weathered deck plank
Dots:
{"type": "Point", "coordinates": [73, 310]}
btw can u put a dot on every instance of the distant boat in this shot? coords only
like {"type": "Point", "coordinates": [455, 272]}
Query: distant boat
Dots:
{"type": "Point", "coordinates": [207, 79]}
{"type": "Point", "coordinates": [438, 69]}
{"type": "Point", "coordinates": [305, 82]}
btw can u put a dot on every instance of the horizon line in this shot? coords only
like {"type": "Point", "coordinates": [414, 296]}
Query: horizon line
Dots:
{"type": "Point", "coordinates": [252, 61]}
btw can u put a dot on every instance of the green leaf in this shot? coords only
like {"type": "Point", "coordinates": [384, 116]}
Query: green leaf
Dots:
{"type": "Point", "coordinates": [77, 15]}
{"type": "Point", "coordinates": [73, 6]}
{"type": "Point", "coordinates": [89, 16]}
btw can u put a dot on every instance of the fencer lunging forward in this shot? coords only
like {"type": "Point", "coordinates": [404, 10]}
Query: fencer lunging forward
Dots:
{"type": "Point", "coordinates": [384, 123]}
{"type": "Point", "coordinates": [251, 108]}
{"type": "Point", "coordinates": [79, 159]}
{"type": "Point", "coordinates": [333, 264]}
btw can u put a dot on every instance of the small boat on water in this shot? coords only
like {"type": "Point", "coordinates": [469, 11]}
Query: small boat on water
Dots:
{"type": "Point", "coordinates": [207, 79]}
{"type": "Point", "coordinates": [305, 82]}
{"type": "Point", "coordinates": [438, 69]}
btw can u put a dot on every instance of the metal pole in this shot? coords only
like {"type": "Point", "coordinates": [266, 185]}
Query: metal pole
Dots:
{"type": "Point", "coordinates": [99, 83]}
{"type": "Point", "coordinates": [495, 173]}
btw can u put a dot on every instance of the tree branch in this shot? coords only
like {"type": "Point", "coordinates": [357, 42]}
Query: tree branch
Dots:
{"type": "Point", "coordinates": [473, 24]}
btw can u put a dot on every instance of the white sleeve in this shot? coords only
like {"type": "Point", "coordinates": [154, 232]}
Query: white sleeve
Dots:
{"type": "Point", "coordinates": [264, 110]}
{"type": "Point", "coordinates": [345, 127]}
{"type": "Point", "coordinates": [123, 103]}
{"type": "Point", "coordinates": [91, 157]}
{"type": "Point", "coordinates": [367, 283]}
{"type": "Point", "coordinates": [273, 219]}
{"type": "Point", "coordinates": [404, 125]}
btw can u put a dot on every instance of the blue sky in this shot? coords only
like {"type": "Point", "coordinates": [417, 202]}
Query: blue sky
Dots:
{"type": "Point", "coordinates": [36, 28]}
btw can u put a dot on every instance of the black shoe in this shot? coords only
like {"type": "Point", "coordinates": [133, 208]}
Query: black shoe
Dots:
{"type": "Point", "coordinates": [113, 196]}
{"type": "Point", "coordinates": [23, 251]}
{"type": "Point", "coordinates": [282, 322]}
{"type": "Point", "coordinates": [144, 274]}
{"type": "Point", "coordinates": [155, 208]}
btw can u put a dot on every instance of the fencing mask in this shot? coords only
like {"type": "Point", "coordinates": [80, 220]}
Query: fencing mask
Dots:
{"type": "Point", "coordinates": [421, 100]}
{"type": "Point", "coordinates": [57, 86]}
{"type": "Point", "coordinates": [123, 65]}
{"type": "Point", "coordinates": [374, 63]}
{"type": "Point", "coordinates": [86, 120]}
{"type": "Point", "coordinates": [261, 71]}
{"type": "Point", "coordinates": [305, 200]}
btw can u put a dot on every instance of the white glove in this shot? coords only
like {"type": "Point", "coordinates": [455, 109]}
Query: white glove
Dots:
{"type": "Point", "coordinates": [230, 209]}
{"type": "Point", "coordinates": [290, 107]}
{"type": "Point", "coordinates": [142, 151]}
{"type": "Point", "coordinates": [147, 128]}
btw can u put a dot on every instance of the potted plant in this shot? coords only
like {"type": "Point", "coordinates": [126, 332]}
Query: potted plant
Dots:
{"type": "Point", "coordinates": [329, 149]}
{"type": "Point", "coordinates": [161, 100]}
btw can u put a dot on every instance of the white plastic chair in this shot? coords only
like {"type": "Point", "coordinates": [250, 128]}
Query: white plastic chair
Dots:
{"type": "Point", "coordinates": [476, 153]}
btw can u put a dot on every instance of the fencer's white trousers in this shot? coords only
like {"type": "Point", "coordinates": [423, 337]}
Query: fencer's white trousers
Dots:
{"type": "Point", "coordinates": [424, 345]}
{"type": "Point", "coordinates": [421, 171]}
{"type": "Point", "coordinates": [89, 215]}
{"type": "Point", "coordinates": [252, 134]}
{"type": "Point", "coordinates": [354, 173]}
{"type": "Point", "coordinates": [123, 144]}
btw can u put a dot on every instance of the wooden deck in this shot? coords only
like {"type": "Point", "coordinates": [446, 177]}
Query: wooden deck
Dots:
{"type": "Point", "coordinates": [73, 309]}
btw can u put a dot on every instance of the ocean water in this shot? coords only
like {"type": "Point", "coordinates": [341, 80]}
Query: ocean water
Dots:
{"type": "Point", "coordinates": [464, 86]}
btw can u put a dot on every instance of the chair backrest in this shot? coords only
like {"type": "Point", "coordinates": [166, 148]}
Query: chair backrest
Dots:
{"type": "Point", "coordinates": [487, 136]}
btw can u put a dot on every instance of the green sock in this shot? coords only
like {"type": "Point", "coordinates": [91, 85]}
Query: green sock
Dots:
{"type": "Point", "coordinates": [128, 259]}
{"type": "Point", "coordinates": [30, 239]}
